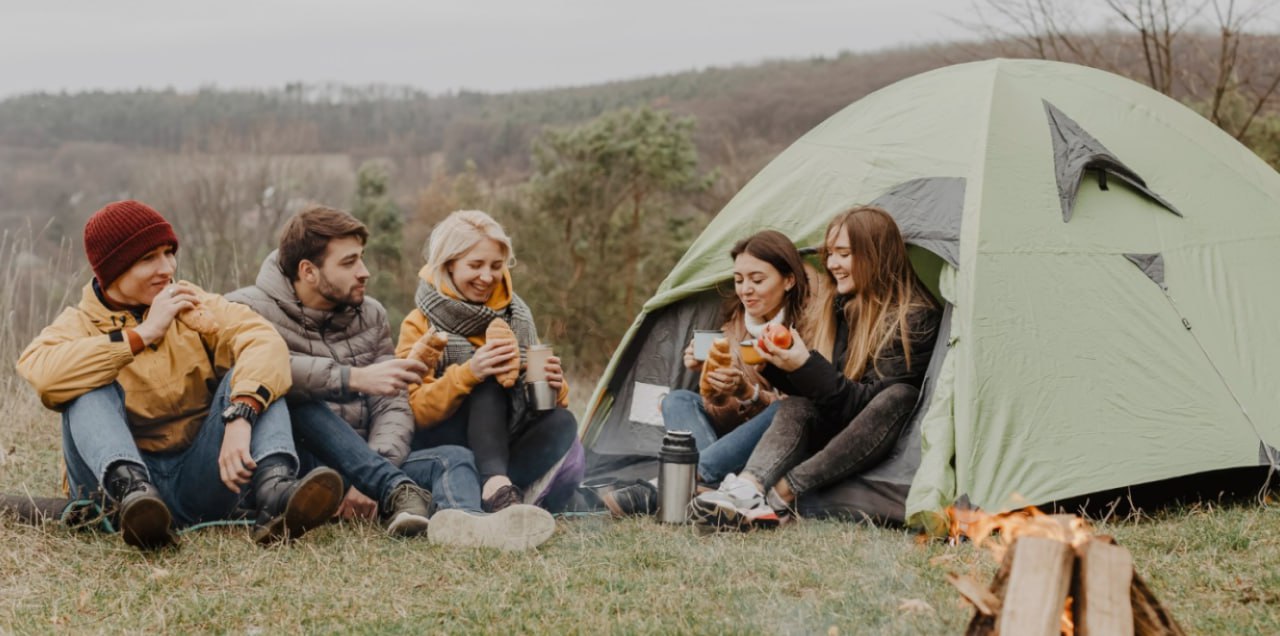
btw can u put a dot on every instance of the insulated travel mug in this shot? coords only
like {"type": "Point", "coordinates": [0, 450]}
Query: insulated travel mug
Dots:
{"type": "Point", "coordinates": [538, 391]}
{"type": "Point", "coordinates": [677, 476]}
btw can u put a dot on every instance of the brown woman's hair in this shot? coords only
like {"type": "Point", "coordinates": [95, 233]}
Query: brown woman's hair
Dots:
{"type": "Point", "coordinates": [306, 236]}
{"type": "Point", "coordinates": [774, 248]}
{"type": "Point", "coordinates": [886, 290]}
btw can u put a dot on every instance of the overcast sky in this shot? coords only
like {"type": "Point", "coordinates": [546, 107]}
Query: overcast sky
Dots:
{"type": "Point", "coordinates": [490, 45]}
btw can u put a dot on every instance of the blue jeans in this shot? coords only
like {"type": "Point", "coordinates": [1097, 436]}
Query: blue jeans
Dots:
{"type": "Point", "coordinates": [324, 439]}
{"type": "Point", "coordinates": [449, 472]}
{"type": "Point", "coordinates": [95, 435]}
{"type": "Point", "coordinates": [717, 456]}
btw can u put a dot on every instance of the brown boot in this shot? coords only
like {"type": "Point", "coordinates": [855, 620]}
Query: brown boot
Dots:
{"type": "Point", "coordinates": [144, 520]}
{"type": "Point", "coordinates": [288, 506]}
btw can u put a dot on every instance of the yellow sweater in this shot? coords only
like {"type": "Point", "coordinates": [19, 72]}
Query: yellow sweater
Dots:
{"type": "Point", "coordinates": [438, 397]}
{"type": "Point", "coordinates": [168, 386]}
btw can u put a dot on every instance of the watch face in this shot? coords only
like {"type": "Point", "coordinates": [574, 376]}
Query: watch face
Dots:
{"type": "Point", "coordinates": [238, 411]}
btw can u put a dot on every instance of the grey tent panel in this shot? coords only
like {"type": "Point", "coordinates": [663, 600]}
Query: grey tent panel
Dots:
{"type": "Point", "coordinates": [1076, 151]}
{"type": "Point", "coordinates": [857, 499]}
{"type": "Point", "coordinates": [1268, 456]}
{"type": "Point", "coordinates": [658, 360]}
{"type": "Point", "coordinates": [928, 212]}
{"type": "Point", "coordinates": [1152, 265]}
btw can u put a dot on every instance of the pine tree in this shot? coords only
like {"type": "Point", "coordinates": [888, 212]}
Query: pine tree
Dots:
{"type": "Point", "coordinates": [382, 254]}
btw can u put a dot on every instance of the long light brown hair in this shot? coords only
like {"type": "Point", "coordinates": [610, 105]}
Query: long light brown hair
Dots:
{"type": "Point", "coordinates": [886, 290]}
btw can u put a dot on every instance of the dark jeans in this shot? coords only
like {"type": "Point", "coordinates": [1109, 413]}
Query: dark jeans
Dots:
{"type": "Point", "coordinates": [812, 451]}
{"type": "Point", "coordinates": [480, 424]}
{"type": "Point", "coordinates": [324, 439]}
{"type": "Point", "coordinates": [95, 436]}
{"type": "Point", "coordinates": [718, 456]}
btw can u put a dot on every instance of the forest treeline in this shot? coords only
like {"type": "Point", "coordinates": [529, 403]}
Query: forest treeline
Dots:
{"type": "Point", "coordinates": [602, 186]}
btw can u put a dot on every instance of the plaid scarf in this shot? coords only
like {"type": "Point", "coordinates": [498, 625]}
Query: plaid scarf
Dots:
{"type": "Point", "coordinates": [459, 320]}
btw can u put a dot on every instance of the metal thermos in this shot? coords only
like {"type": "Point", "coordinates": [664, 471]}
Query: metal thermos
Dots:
{"type": "Point", "coordinates": [677, 475]}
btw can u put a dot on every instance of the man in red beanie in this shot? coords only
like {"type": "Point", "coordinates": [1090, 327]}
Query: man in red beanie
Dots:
{"type": "Point", "coordinates": [168, 395]}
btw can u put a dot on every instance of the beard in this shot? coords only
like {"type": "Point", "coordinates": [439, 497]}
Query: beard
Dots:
{"type": "Point", "coordinates": [352, 297]}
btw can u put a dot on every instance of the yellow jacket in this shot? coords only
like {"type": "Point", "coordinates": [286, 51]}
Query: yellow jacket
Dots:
{"type": "Point", "coordinates": [169, 385]}
{"type": "Point", "coordinates": [439, 396]}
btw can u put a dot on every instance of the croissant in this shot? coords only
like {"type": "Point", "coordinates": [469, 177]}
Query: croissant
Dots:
{"type": "Point", "coordinates": [199, 318]}
{"type": "Point", "coordinates": [499, 331]}
{"type": "Point", "coordinates": [429, 348]}
{"type": "Point", "coordinates": [717, 357]}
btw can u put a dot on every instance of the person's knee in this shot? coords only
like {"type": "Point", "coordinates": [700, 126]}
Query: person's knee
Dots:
{"type": "Point", "coordinates": [98, 400]}
{"type": "Point", "coordinates": [454, 456]}
{"type": "Point", "coordinates": [563, 425]}
{"type": "Point", "coordinates": [488, 389]}
{"type": "Point", "coordinates": [680, 398]}
{"type": "Point", "coordinates": [795, 408]}
{"type": "Point", "coordinates": [895, 401]}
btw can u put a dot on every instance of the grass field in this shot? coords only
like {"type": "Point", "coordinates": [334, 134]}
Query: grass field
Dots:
{"type": "Point", "coordinates": [1212, 565]}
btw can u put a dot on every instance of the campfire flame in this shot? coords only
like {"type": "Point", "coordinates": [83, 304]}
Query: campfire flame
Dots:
{"type": "Point", "coordinates": [997, 532]}
{"type": "Point", "coordinates": [1007, 527]}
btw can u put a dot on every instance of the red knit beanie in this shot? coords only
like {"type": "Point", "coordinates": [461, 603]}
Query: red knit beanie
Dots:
{"type": "Point", "coordinates": [119, 234]}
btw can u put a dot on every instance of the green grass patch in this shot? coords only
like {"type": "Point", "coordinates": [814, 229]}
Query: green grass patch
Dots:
{"type": "Point", "coordinates": [1211, 565]}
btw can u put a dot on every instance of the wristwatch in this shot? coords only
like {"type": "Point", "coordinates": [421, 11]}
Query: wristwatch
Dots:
{"type": "Point", "coordinates": [239, 410]}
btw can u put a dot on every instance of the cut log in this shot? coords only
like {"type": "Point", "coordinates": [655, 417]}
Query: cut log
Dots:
{"type": "Point", "coordinates": [1038, 584]}
{"type": "Point", "coordinates": [976, 593]}
{"type": "Point", "coordinates": [1149, 616]}
{"type": "Point", "coordinates": [982, 624]}
{"type": "Point", "coordinates": [1102, 600]}
{"type": "Point", "coordinates": [33, 510]}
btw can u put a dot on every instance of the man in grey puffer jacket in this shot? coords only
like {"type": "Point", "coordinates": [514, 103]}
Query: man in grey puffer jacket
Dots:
{"type": "Point", "coordinates": [348, 403]}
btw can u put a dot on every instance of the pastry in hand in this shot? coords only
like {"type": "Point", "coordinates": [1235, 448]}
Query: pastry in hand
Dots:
{"type": "Point", "coordinates": [198, 318]}
{"type": "Point", "coordinates": [429, 349]}
{"type": "Point", "coordinates": [500, 331]}
{"type": "Point", "coordinates": [717, 357]}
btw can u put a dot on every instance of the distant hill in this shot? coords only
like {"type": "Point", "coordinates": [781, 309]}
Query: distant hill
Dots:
{"type": "Point", "coordinates": [71, 151]}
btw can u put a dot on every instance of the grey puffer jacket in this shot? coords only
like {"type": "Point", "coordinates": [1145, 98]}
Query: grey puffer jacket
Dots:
{"type": "Point", "coordinates": [324, 346]}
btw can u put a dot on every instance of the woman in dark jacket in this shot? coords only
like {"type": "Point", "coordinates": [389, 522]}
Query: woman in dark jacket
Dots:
{"type": "Point", "coordinates": [874, 328]}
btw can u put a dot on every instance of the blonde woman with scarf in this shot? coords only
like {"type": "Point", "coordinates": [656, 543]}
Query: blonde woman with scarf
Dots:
{"type": "Point", "coordinates": [464, 286]}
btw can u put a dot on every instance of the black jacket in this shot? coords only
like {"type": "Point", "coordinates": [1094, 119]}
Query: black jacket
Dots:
{"type": "Point", "coordinates": [840, 398]}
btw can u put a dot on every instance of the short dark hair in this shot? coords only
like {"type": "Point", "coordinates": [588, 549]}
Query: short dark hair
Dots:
{"type": "Point", "coordinates": [306, 236]}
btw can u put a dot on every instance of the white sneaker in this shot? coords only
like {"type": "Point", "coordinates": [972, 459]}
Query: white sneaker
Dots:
{"type": "Point", "coordinates": [737, 505]}
{"type": "Point", "coordinates": [516, 527]}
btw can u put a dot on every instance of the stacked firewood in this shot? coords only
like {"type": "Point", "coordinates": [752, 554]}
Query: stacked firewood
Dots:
{"type": "Point", "coordinates": [1055, 577]}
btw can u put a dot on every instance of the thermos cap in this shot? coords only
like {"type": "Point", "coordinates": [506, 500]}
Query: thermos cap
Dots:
{"type": "Point", "coordinates": [678, 447]}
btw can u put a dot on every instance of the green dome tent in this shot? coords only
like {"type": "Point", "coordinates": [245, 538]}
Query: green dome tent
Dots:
{"type": "Point", "coordinates": [1107, 258]}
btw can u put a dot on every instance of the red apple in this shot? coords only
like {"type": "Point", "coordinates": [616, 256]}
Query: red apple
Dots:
{"type": "Point", "coordinates": [777, 335]}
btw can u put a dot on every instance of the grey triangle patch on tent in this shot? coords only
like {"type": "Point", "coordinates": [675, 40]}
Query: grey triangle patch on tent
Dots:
{"type": "Point", "coordinates": [1152, 265]}
{"type": "Point", "coordinates": [928, 213]}
{"type": "Point", "coordinates": [1268, 456]}
{"type": "Point", "coordinates": [1075, 151]}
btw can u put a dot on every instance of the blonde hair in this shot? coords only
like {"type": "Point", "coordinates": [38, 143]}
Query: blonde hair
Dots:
{"type": "Point", "coordinates": [886, 288]}
{"type": "Point", "coordinates": [455, 236]}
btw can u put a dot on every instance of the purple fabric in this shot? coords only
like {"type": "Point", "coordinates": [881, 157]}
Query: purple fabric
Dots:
{"type": "Point", "coordinates": [568, 475]}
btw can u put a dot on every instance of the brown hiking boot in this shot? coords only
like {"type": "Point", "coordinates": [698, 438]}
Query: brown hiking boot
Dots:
{"type": "Point", "coordinates": [406, 510]}
{"type": "Point", "coordinates": [287, 506]}
{"type": "Point", "coordinates": [142, 516]}
{"type": "Point", "coordinates": [508, 495]}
